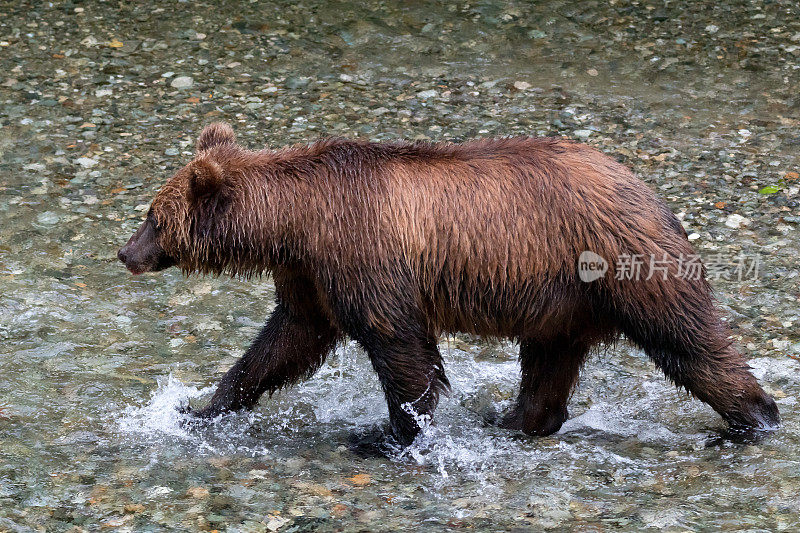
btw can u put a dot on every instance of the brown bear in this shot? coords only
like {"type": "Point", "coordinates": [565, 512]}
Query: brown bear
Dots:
{"type": "Point", "coordinates": [393, 244]}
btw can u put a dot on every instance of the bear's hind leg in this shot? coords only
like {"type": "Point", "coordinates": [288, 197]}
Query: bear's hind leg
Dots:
{"type": "Point", "coordinates": [549, 373]}
{"type": "Point", "coordinates": [676, 324]}
{"type": "Point", "coordinates": [290, 346]}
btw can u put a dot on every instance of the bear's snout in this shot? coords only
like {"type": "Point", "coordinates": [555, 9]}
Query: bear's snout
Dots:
{"type": "Point", "coordinates": [126, 256]}
{"type": "Point", "coordinates": [142, 253]}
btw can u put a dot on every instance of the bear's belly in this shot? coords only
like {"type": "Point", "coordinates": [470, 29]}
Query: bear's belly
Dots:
{"type": "Point", "coordinates": [528, 310]}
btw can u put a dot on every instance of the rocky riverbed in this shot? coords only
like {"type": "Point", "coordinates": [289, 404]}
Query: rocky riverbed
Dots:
{"type": "Point", "coordinates": [101, 101]}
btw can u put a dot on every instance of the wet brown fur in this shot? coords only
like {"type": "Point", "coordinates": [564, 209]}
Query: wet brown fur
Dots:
{"type": "Point", "coordinates": [396, 243]}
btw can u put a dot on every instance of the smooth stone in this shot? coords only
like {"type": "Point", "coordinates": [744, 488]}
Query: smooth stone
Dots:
{"type": "Point", "coordinates": [48, 218]}
{"type": "Point", "coordinates": [182, 82]}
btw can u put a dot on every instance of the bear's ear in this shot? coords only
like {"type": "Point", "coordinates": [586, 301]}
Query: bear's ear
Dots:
{"type": "Point", "coordinates": [206, 179]}
{"type": "Point", "coordinates": [214, 135]}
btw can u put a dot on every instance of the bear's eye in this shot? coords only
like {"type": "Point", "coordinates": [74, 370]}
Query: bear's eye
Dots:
{"type": "Point", "coordinates": [152, 219]}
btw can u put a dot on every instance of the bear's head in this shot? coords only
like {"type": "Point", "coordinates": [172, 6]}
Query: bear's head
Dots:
{"type": "Point", "coordinates": [186, 222]}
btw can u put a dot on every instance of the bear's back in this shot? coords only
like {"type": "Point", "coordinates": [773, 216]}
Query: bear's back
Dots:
{"type": "Point", "coordinates": [474, 220]}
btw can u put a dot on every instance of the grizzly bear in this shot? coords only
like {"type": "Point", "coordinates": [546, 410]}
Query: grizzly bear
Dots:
{"type": "Point", "coordinates": [395, 243]}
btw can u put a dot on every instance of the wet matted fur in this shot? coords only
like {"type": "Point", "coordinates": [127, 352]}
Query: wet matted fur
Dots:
{"type": "Point", "coordinates": [395, 243]}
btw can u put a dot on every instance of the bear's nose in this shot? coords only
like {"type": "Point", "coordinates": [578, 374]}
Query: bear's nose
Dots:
{"type": "Point", "coordinates": [122, 255]}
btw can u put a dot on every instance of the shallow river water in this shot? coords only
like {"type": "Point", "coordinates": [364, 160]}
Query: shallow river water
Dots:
{"type": "Point", "coordinates": [101, 102]}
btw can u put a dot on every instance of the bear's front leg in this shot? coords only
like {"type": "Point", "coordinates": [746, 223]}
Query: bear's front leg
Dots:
{"type": "Point", "coordinates": [409, 366]}
{"type": "Point", "coordinates": [290, 346]}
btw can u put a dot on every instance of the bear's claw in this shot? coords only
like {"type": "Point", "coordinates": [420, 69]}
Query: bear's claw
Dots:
{"type": "Point", "coordinates": [538, 424]}
{"type": "Point", "coordinates": [193, 419]}
{"type": "Point", "coordinates": [373, 443]}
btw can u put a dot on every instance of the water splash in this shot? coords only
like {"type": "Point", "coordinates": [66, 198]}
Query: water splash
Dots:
{"type": "Point", "coordinates": [345, 390]}
{"type": "Point", "coordinates": [160, 415]}
{"type": "Point", "coordinates": [160, 422]}
{"type": "Point", "coordinates": [457, 445]}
